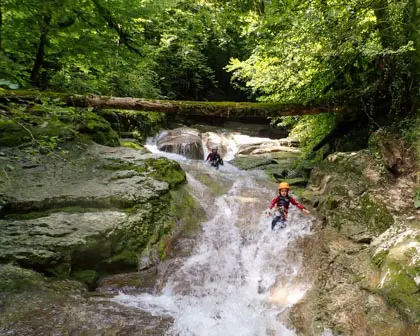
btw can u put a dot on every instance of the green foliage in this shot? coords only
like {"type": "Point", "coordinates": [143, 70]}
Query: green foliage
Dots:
{"type": "Point", "coordinates": [359, 50]}
{"type": "Point", "coordinates": [310, 130]}
{"type": "Point", "coordinates": [409, 127]}
{"type": "Point", "coordinates": [168, 48]}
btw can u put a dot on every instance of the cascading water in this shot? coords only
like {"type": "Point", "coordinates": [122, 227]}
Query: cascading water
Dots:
{"type": "Point", "coordinates": [241, 276]}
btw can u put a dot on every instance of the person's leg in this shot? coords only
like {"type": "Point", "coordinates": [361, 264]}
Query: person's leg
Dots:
{"type": "Point", "coordinates": [274, 222]}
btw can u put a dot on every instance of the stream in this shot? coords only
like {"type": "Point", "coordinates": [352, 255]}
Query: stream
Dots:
{"type": "Point", "coordinates": [242, 277]}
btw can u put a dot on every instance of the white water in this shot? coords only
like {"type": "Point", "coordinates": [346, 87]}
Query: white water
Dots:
{"type": "Point", "coordinates": [242, 276]}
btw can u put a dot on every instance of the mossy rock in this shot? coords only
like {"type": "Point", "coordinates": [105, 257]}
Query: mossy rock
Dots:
{"type": "Point", "coordinates": [45, 125]}
{"type": "Point", "coordinates": [14, 279]}
{"type": "Point", "coordinates": [342, 178]}
{"type": "Point", "coordinates": [400, 272]}
{"type": "Point", "coordinates": [251, 162]}
{"type": "Point", "coordinates": [14, 134]}
{"type": "Point", "coordinates": [216, 187]}
{"type": "Point", "coordinates": [165, 170]}
{"type": "Point", "coordinates": [187, 214]}
{"type": "Point", "coordinates": [295, 182]}
{"type": "Point", "coordinates": [88, 277]}
{"type": "Point", "coordinates": [98, 129]}
{"type": "Point", "coordinates": [184, 207]}
{"type": "Point", "coordinates": [138, 124]}
{"type": "Point", "coordinates": [376, 216]}
{"type": "Point", "coordinates": [131, 144]}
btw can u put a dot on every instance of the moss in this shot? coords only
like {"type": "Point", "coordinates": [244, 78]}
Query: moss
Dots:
{"type": "Point", "coordinates": [38, 124]}
{"type": "Point", "coordinates": [181, 220]}
{"type": "Point", "coordinates": [12, 134]}
{"type": "Point", "coordinates": [88, 277]}
{"type": "Point", "coordinates": [417, 199]}
{"type": "Point", "coordinates": [125, 260]}
{"type": "Point", "coordinates": [216, 188]}
{"type": "Point", "coordinates": [138, 125]}
{"type": "Point", "coordinates": [376, 216]}
{"type": "Point", "coordinates": [184, 207]}
{"type": "Point", "coordinates": [402, 294]}
{"type": "Point", "coordinates": [251, 162]}
{"type": "Point", "coordinates": [399, 269]}
{"type": "Point", "coordinates": [15, 279]}
{"type": "Point", "coordinates": [305, 195]}
{"type": "Point", "coordinates": [187, 214]}
{"type": "Point", "coordinates": [379, 257]}
{"type": "Point", "coordinates": [165, 170]}
{"type": "Point", "coordinates": [130, 144]}
{"type": "Point", "coordinates": [122, 165]}
{"type": "Point", "coordinates": [98, 129]}
{"type": "Point", "coordinates": [332, 202]}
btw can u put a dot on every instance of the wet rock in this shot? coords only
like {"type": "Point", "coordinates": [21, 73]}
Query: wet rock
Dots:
{"type": "Point", "coordinates": [184, 141]}
{"type": "Point", "coordinates": [129, 283]}
{"type": "Point", "coordinates": [32, 306]}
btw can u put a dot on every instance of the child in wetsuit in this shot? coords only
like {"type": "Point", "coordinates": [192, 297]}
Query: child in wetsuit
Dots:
{"type": "Point", "coordinates": [282, 202]}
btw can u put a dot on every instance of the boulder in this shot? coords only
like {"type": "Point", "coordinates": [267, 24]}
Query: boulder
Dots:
{"type": "Point", "coordinates": [95, 211]}
{"type": "Point", "coordinates": [397, 254]}
{"type": "Point", "coordinates": [184, 141]}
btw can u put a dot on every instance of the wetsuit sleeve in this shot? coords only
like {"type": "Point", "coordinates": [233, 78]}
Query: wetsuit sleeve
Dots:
{"type": "Point", "coordinates": [273, 202]}
{"type": "Point", "coordinates": [208, 157]}
{"type": "Point", "coordinates": [296, 203]}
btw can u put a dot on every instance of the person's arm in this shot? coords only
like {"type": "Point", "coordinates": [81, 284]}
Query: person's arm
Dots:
{"type": "Point", "coordinates": [300, 206]}
{"type": "Point", "coordinates": [273, 202]}
{"type": "Point", "coordinates": [208, 157]}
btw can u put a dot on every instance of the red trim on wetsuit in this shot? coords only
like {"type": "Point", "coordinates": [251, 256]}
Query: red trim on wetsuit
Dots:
{"type": "Point", "coordinates": [291, 199]}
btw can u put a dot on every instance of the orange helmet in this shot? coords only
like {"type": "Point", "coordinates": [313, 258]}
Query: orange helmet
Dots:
{"type": "Point", "coordinates": [284, 185]}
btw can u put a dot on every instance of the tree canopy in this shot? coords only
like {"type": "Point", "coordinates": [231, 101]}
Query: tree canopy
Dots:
{"type": "Point", "coordinates": [286, 51]}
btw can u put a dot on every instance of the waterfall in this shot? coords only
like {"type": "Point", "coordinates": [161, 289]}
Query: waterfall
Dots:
{"type": "Point", "coordinates": [242, 277]}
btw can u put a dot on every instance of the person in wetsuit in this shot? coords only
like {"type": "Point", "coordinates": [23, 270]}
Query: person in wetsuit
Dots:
{"type": "Point", "coordinates": [214, 158]}
{"type": "Point", "coordinates": [281, 203]}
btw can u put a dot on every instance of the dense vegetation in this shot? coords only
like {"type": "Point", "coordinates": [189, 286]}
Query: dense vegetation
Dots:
{"type": "Point", "coordinates": [364, 53]}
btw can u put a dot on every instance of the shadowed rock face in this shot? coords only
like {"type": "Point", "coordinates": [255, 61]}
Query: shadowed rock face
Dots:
{"type": "Point", "coordinates": [184, 141]}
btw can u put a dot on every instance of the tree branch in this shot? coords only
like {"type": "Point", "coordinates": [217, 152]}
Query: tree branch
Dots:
{"type": "Point", "coordinates": [125, 38]}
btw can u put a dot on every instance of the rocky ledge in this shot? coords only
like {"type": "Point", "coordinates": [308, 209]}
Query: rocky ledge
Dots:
{"type": "Point", "coordinates": [364, 255]}
{"type": "Point", "coordinates": [96, 210]}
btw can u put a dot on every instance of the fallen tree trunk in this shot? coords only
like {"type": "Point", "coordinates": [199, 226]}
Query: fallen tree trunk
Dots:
{"type": "Point", "coordinates": [233, 110]}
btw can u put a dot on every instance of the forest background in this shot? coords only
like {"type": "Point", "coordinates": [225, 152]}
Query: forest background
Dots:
{"type": "Point", "coordinates": [364, 54]}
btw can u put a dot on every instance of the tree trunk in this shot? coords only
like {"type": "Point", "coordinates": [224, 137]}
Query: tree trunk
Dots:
{"type": "Point", "coordinates": [232, 110]}
{"type": "Point", "coordinates": [39, 60]}
{"type": "Point", "coordinates": [383, 24]}
{"type": "Point", "coordinates": [195, 108]}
